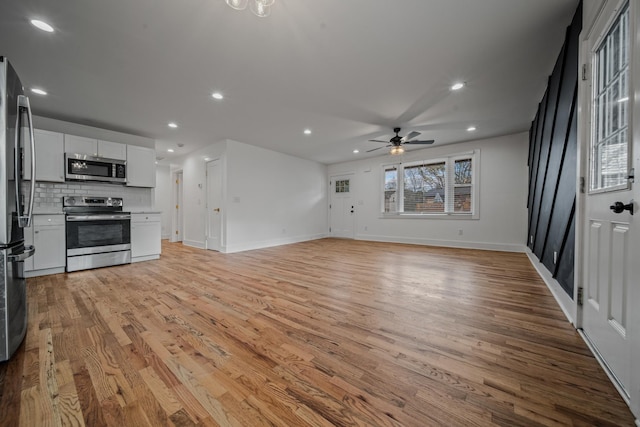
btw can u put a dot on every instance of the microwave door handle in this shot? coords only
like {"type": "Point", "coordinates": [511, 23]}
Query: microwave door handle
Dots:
{"type": "Point", "coordinates": [23, 103]}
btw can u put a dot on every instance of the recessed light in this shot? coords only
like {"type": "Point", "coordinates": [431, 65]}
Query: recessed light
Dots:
{"type": "Point", "coordinates": [457, 86]}
{"type": "Point", "coordinates": [206, 159]}
{"type": "Point", "coordinates": [307, 131]}
{"type": "Point", "coordinates": [217, 95]}
{"type": "Point", "coordinates": [156, 162]}
{"type": "Point", "coordinates": [172, 125]}
{"type": "Point", "coordinates": [356, 151]}
{"type": "Point", "coordinates": [38, 91]}
{"type": "Point", "coordinates": [471, 128]}
{"type": "Point", "coordinates": [41, 25]}
{"type": "Point", "coordinates": [170, 150]}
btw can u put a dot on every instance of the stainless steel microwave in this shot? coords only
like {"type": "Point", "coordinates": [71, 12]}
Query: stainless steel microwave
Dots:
{"type": "Point", "coordinates": [81, 167]}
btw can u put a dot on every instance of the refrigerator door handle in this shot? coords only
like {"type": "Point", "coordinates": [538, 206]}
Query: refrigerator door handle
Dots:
{"type": "Point", "coordinates": [24, 220]}
{"type": "Point", "coordinates": [28, 252]}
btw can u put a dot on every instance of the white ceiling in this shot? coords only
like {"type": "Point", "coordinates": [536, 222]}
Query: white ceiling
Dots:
{"type": "Point", "coordinates": [348, 70]}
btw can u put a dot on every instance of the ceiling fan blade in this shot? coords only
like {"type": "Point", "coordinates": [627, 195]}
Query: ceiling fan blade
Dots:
{"type": "Point", "coordinates": [429, 141]}
{"type": "Point", "coordinates": [411, 135]}
{"type": "Point", "coordinates": [377, 140]}
{"type": "Point", "coordinates": [368, 151]}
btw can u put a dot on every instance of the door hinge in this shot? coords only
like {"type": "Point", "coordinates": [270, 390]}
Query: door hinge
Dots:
{"type": "Point", "coordinates": [584, 72]}
{"type": "Point", "coordinates": [632, 175]}
{"type": "Point", "coordinates": [177, 207]}
{"type": "Point", "coordinates": [177, 181]}
{"type": "Point", "coordinates": [329, 229]}
{"type": "Point", "coordinates": [329, 205]}
{"type": "Point", "coordinates": [580, 296]}
{"type": "Point", "coordinates": [582, 184]}
{"type": "Point", "coordinates": [176, 232]}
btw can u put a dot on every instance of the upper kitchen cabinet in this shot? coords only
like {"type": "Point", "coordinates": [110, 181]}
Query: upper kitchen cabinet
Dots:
{"type": "Point", "coordinates": [141, 166]}
{"type": "Point", "coordinates": [80, 145]}
{"type": "Point", "coordinates": [112, 150]}
{"type": "Point", "coordinates": [49, 156]}
{"type": "Point", "coordinates": [94, 147]}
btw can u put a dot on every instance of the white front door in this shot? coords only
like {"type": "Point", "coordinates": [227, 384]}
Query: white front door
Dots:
{"type": "Point", "coordinates": [609, 226]}
{"type": "Point", "coordinates": [341, 207]}
{"type": "Point", "coordinates": [214, 205]}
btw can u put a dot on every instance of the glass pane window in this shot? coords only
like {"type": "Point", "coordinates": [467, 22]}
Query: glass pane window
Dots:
{"type": "Point", "coordinates": [462, 188]}
{"type": "Point", "coordinates": [424, 188]}
{"type": "Point", "coordinates": [609, 142]}
{"type": "Point", "coordinates": [390, 189]}
{"type": "Point", "coordinates": [342, 186]}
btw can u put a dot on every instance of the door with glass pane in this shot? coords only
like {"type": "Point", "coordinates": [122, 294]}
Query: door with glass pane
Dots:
{"type": "Point", "coordinates": [608, 224]}
{"type": "Point", "coordinates": [341, 207]}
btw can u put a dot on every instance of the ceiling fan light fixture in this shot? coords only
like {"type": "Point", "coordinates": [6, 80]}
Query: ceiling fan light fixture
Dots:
{"type": "Point", "coordinates": [396, 150]}
{"type": "Point", "coordinates": [261, 8]}
{"type": "Point", "coordinates": [237, 4]}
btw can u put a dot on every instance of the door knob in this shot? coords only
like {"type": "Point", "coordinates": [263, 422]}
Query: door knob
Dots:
{"type": "Point", "coordinates": [216, 210]}
{"type": "Point", "coordinates": [619, 207]}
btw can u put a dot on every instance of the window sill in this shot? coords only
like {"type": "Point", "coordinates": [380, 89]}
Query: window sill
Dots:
{"type": "Point", "coordinates": [429, 216]}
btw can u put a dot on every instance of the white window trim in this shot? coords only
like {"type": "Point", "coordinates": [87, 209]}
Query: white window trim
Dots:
{"type": "Point", "coordinates": [449, 160]}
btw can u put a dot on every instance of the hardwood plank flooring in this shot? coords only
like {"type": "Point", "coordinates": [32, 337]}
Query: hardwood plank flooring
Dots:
{"type": "Point", "coordinates": [322, 333]}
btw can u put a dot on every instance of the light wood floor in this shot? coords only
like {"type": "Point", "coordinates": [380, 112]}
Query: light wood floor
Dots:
{"type": "Point", "coordinates": [329, 332]}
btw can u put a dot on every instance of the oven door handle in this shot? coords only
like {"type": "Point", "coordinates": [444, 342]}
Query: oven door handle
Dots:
{"type": "Point", "coordinates": [100, 217]}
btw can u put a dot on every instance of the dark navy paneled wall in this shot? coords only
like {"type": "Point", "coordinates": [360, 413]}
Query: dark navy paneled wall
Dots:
{"type": "Point", "coordinates": [553, 147]}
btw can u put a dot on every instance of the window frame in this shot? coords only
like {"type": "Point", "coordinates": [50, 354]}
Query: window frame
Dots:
{"type": "Point", "coordinates": [450, 184]}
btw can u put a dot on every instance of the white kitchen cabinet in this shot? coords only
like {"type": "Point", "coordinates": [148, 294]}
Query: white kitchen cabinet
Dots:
{"type": "Point", "coordinates": [146, 230]}
{"type": "Point", "coordinates": [112, 150]}
{"type": "Point", "coordinates": [80, 145]}
{"type": "Point", "coordinates": [141, 166]}
{"type": "Point", "coordinates": [49, 156]}
{"type": "Point", "coordinates": [95, 147]}
{"type": "Point", "coordinates": [47, 234]}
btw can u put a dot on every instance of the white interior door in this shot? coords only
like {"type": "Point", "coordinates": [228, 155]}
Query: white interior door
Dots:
{"type": "Point", "coordinates": [342, 207]}
{"type": "Point", "coordinates": [214, 205]}
{"type": "Point", "coordinates": [609, 224]}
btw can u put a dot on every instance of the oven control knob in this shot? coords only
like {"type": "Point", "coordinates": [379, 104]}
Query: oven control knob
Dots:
{"type": "Point", "coordinates": [71, 201]}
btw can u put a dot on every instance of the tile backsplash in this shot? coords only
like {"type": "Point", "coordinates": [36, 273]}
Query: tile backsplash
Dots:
{"type": "Point", "coordinates": [48, 195]}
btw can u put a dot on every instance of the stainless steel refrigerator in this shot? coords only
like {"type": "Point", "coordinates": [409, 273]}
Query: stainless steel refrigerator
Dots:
{"type": "Point", "coordinates": [15, 117]}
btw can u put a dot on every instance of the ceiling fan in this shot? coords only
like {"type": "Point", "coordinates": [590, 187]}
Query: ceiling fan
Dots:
{"type": "Point", "coordinates": [397, 141]}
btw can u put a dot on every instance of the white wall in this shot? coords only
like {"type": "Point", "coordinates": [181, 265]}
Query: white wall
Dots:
{"type": "Point", "coordinates": [269, 198]}
{"type": "Point", "coordinates": [272, 198]}
{"type": "Point", "coordinates": [502, 224]}
{"type": "Point", "coordinates": [162, 198]}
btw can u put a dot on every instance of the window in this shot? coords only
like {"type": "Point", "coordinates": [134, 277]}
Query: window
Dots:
{"type": "Point", "coordinates": [342, 186]}
{"type": "Point", "coordinates": [609, 145]}
{"type": "Point", "coordinates": [439, 186]}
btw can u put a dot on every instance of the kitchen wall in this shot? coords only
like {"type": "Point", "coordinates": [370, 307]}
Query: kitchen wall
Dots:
{"type": "Point", "coordinates": [502, 222]}
{"type": "Point", "coordinates": [269, 198]}
{"type": "Point", "coordinates": [48, 195]}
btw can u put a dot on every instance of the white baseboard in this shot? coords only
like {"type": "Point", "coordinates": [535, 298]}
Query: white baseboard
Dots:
{"type": "Point", "coordinates": [564, 301]}
{"type": "Point", "coordinates": [145, 258]}
{"type": "Point", "coordinates": [270, 243]}
{"type": "Point", "coordinates": [504, 247]}
{"type": "Point", "coordinates": [45, 272]}
{"type": "Point", "coordinates": [194, 243]}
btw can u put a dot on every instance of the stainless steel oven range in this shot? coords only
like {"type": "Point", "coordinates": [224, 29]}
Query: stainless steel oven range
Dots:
{"type": "Point", "coordinates": [98, 232]}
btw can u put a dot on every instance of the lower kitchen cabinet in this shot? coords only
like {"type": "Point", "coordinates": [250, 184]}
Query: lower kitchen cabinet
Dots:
{"type": "Point", "coordinates": [146, 231]}
{"type": "Point", "coordinates": [47, 234]}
